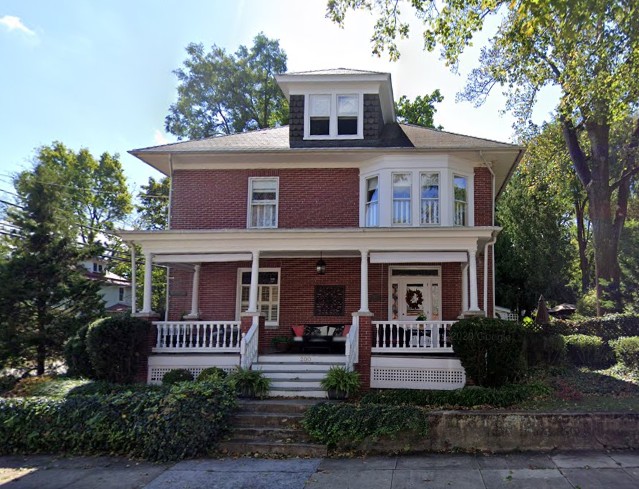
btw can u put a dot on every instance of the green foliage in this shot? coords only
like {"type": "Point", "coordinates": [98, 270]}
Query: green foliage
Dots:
{"type": "Point", "coordinates": [153, 207]}
{"type": "Point", "coordinates": [609, 327]}
{"type": "Point", "coordinates": [249, 383]}
{"type": "Point", "coordinates": [627, 351]}
{"type": "Point", "coordinates": [159, 425]}
{"type": "Point", "coordinates": [421, 111]}
{"type": "Point", "coordinates": [7, 382]}
{"type": "Point", "coordinates": [177, 375]}
{"type": "Point", "coordinates": [113, 344]}
{"type": "Point", "coordinates": [545, 349]}
{"type": "Point", "coordinates": [76, 355]}
{"type": "Point", "coordinates": [343, 382]}
{"type": "Point", "coordinates": [211, 374]}
{"type": "Point", "coordinates": [492, 351]}
{"type": "Point", "coordinates": [468, 397]}
{"type": "Point", "coordinates": [101, 387]}
{"type": "Point", "coordinates": [221, 93]}
{"type": "Point", "coordinates": [346, 425]}
{"type": "Point", "coordinates": [588, 351]}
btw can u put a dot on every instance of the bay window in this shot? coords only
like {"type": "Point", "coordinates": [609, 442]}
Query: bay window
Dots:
{"type": "Point", "coordinates": [372, 202]}
{"type": "Point", "coordinates": [460, 186]}
{"type": "Point", "coordinates": [401, 198]}
{"type": "Point", "coordinates": [429, 205]}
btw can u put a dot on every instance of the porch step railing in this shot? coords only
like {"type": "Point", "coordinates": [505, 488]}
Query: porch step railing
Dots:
{"type": "Point", "coordinates": [249, 347]}
{"type": "Point", "coordinates": [412, 337]}
{"type": "Point", "coordinates": [352, 345]}
{"type": "Point", "coordinates": [197, 336]}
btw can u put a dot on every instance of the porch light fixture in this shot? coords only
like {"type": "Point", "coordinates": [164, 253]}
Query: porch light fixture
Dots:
{"type": "Point", "coordinates": [320, 266]}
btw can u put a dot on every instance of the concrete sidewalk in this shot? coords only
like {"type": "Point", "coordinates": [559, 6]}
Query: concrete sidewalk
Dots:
{"type": "Point", "coordinates": [570, 470]}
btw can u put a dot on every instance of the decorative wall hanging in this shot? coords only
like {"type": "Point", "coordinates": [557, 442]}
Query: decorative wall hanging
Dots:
{"type": "Point", "coordinates": [329, 300]}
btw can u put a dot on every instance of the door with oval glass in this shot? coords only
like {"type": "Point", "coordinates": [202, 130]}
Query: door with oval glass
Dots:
{"type": "Point", "coordinates": [415, 297]}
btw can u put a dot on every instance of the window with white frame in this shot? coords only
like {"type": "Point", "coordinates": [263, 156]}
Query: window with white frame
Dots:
{"type": "Point", "coordinates": [268, 293]}
{"type": "Point", "coordinates": [372, 201]}
{"type": "Point", "coordinates": [429, 204]}
{"type": "Point", "coordinates": [334, 116]}
{"type": "Point", "coordinates": [460, 210]}
{"type": "Point", "coordinates": [401, 198]}
{"type": "Point", "coordinates": [319, 108]}
{"type": "Point", "coordinates": [347, 114]}
{"type": "Point", "coordinates": [263, 193]}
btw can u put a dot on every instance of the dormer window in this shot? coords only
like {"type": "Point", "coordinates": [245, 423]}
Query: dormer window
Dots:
{"type": "Point", "coordinates": [334, 116]}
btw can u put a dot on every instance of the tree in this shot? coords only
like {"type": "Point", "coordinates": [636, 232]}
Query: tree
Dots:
{"type": "Point", "coordinates": [44, 293]}
{"type": "Point", "coordinates": [419, 112]}
{"type": "Point", "coordinates": [589, 49]}
{"type": "Point", "coordinates": [220, 93]}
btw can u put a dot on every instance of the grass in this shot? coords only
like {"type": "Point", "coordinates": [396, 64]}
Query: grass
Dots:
{"type": "Point", "coordinates": [45, 386]}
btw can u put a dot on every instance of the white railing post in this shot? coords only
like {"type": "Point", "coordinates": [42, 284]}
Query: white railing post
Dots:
{"type": "Point", "coordinates": [248, 347]}
{"type": "Point", "coordinates": [197, 336]}
{"type": "Point", "coordinates": [351, 349]}
{"type": "Point", "coordinates": [411, 336]}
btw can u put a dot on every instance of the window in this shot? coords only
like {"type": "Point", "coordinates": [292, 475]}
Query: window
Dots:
{"type": "Point", "coordinates": [372, 202]}
{"type": "Point", "coordinates": [97, 267]}
{"type": "Point", "coordinates": [319, 115]}
{"type": "Point", "coordinates": [263, 202]}
{"type": "Point", "coordinates": [460, 204]}
{"type": "Point", "coordinates": [121, 294]}
{"type": "Point", "coordinates": [347, 113]}
{"type": "Point", "coordinates": [401, 198]}
{"type": "Point", "coordinates": [429, 209]}
{"type": "Point", "coordinates": [268, 293]}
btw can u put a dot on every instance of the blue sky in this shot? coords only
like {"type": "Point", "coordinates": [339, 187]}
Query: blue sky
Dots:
{"type": "Point", "coordinates": [99, 74]}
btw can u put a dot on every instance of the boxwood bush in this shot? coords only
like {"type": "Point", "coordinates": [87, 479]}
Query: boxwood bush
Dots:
{"type": "Point", "coordinates": [177, 375]}
{"type": "Point", "coordinates": [492, 351]}
{"type": "Point", "coordinates": [173, 423]}
{"type": "Point", "coordinates": [588, 351]}
{"type": "Point", "coordinates": [627, 351]}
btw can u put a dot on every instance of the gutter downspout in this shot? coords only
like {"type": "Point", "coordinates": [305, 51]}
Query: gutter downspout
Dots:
{"type": "Point", "coordinates": [168, 225]}
{"type": "Point", "coordinates": [490, 243]}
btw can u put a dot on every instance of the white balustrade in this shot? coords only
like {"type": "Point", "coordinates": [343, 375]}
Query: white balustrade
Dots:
{"type": "Point", "coordinates": [197, 336]}
{"type": "Point", "coordinates": [411, 336]}
{"type": "Point", "coordinates": [430, 211]}
{"type": "Point", "coordinates": [351, 349]}
{"type": "Point", "coordinates": [460, 213]}
{"type": "Point", "coordinates": [249, 346]}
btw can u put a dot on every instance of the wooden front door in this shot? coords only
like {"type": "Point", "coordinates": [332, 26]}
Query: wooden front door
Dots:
{"type": "Point", "coordinates": [415, 296]}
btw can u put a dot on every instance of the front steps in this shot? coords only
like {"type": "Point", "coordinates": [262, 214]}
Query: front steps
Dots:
{"type": "Point", "coordinates": [297, 375]}
{"type": "Point", "coordinates": [271, 427]}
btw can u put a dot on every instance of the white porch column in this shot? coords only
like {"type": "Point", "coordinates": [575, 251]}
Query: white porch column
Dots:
{"type": "Point", "coordinates": [195, 293]}
{"type": "Point", "coordinates": [255, 270]}
{"type": "Point", "coordinates": [148, 278]}
{"type": "Point", "coordinates": [472, 263]}
{"type": "Point", "coordinates": [134, 281]}
{"type": "Point", "coordinates": [464, 287]}
{"type": "Point", "coordinates": [364, 282]}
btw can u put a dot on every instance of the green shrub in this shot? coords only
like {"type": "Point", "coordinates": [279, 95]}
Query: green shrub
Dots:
{"type": "Point", "coordinates": [347, 425]}
{"type": "Point", "coordinates": [177, 375]}
{"type": "Point", "coordinates": [545, 349]}
{"type": "Point", "coordinates": [492, 351]}
{"type": "Point", "coordinates": [7, 382]}
{"type": "Point", "coordinates": [249, 383]}
{"type": "Point", "coordinates": [101, 387]}
{"type": "Point", "coordinates": [609, 327]}
{"type": "Point", "coordinates": [183, 421]}
{"type": "Point", "coordinates": [77, 357]}
{"type": "Point", "coordinates": [588, 351]}
{"type": "Point", "coordinates": [340, 383]}
{"type": "Point", "coordinates": [627, 351]}
{"type": "Point", "coordinates": [211, 374]}
{"type": "Point", "coordinates": [113, 345]}
{"type": "Point", "coordinates": [468, 397]}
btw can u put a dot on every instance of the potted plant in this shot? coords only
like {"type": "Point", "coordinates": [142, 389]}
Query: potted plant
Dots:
{"type": "Point", "coordinates": [249, 383]}
{"type": "Point", "coordinates": [340, 383]}
{"type": "Point", "coordinates": [282, 343]}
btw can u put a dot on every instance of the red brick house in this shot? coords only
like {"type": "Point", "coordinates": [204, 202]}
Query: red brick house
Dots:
{"type": "Point", "coordinates": [345, 218]}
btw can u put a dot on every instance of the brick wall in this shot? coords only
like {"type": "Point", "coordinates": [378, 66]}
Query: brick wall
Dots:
{"type": "Point", "coordinates": [483, 197]}
{"type": "Point", "coordinates": [218, 199]}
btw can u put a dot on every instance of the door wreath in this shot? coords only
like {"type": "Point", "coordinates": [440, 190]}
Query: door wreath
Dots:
{"type": "Point", "coordinates": [414, 298]}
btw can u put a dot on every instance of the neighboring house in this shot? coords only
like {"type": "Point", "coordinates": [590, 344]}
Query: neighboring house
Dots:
{"type": "Point", "coordinates": [350, 219]}
{"type": "Point", "coordinates": [505, 313]}
{"type": "Point", "coordinates": [115, 290]}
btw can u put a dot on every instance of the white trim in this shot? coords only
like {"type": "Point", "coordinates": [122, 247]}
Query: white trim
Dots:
{"type": "Point", "coordinates": [203, 258]}
{"type": "Point", "coordinates": [420, 257]}
{"type": "Point", "coordinates": [411, 220]}
{"type": "Point", "coordinates": [249, 206]}
{"type": "Point", "coordinates": [332, 132]}
{"type": "Point", "coordinates": [389, 308]}
{"type": "Point", "coordinates": [238, 293]}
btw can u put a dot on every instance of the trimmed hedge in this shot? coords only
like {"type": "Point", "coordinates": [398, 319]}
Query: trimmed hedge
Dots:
{"type": "Point", "coordinates": [211, 374]}
{"type": "Point", "coordinates": [468, 397]}
{"type": "Point", "coordinates": [608, 327]}
{"type": "Point", "coordinates": [492, 351]}
{"type": "Point", "coordinates": [627, 351]}
{"type": "Point", "coordinates": [159, 425]}
{"type": "Point", "coordinates": [177, 375]}
{"type": "Point", "coordinates": [545, 349]}
{"type": "Point", "coordinates": [588, 351]}
{"type": "Point", "coordinates": [346, 425]}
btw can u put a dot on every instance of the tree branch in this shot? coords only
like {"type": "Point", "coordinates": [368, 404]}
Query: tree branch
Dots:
{"type": "Point", "coordinates": [576, 154]}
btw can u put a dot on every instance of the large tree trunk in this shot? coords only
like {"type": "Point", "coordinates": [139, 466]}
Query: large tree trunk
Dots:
{"type": "Point", "coordinates": [582, 243]}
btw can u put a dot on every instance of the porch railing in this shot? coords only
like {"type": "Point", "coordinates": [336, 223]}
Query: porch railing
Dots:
{"type": "Point", "coordinates": [249, 347]}
{"type": "Point", "coordinates": [352, 345]}
{"type": "Point", "coordinates": [411, 336]}
{"type": "Point", "coordinates": [197, 336]}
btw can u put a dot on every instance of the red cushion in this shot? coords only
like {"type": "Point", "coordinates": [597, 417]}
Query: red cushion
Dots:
{"type": "Point", "coordinates": [347, 329]}
{"type": "Point", "coordinates": [298, 330]}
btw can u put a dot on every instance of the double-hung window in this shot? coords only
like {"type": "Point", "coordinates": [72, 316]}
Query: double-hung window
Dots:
{"type": "Point", "coordinates": [401, 198]}
{"type": "Point", "coordinates": [372, 202]}
{"type": "Point", "coordinates": [263, 193]}
{"type": "Point", "coordinates": [460, 191]}
{"type": "Point", "coordinates": [429, 206]}
{"type": "Point", "coordinates": [334, 116]}
{"type": "Point", "coordinates": [319, 115]}
{"type": "Point", "coordinates": [268, 293]}
{"type": "Point", "coordinates": [347, 114]}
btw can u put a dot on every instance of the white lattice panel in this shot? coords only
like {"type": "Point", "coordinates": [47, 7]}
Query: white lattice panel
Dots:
{"type": "Point", "coordinates": [417, 373]}
{"type": "Point", "coordinates": [161, 364]}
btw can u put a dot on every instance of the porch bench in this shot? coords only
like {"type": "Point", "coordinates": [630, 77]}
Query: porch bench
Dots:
{"type": "Point", "coordinates": [319, 336]}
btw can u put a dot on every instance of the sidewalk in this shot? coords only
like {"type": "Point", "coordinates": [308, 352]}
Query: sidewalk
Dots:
{"type": "Point", "coordinates": [570, 470]}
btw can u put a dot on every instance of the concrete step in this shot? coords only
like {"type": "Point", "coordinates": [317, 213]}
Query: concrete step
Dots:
{"type": "Point", "coordinates": [291, 367]}
{"type": "Point", "coordinates": [299, 392]}
{"type": "Point", "coordinates": [295, 375]}
{"type": "Point", "coordinates": [295, 384]}
{"type": "Point", "coordinates": [302, 358]}
{"type": "Point", "coordinates": [275, 406]}
{"type": "Point", "coordinates": [271, 434]}
{"type": "Point", "coordinates": [246, 447]}
{"type": "Point", "coordinates": [270, 420]}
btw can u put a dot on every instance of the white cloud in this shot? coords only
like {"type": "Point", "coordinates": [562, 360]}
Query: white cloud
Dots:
{"type": "Point", "coordinates": [160, 138]}
{"type": "Point", "coordinates": [14, 23]}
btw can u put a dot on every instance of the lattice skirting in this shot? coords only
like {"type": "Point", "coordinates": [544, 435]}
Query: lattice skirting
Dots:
{"type": "Point", "coordinates": [161, 364]}
{"type": "Point", "coordinates": [417, 373]}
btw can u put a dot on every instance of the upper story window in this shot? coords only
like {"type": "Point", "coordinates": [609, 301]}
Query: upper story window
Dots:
{"type": "Point", "coordinates": [121, 294]}
{"type": "Point", "coordinates": [401, 198]}
{"type": "Point", "coordinates": [429, 205]}
{"type": "Point", "coordinates": [97, 267]}
{"type": "Point", "coordinates": [263, 193]}
{"type": "Point", "coordinates": [372, 202]}
{"type": "Point", "coordinates": [460, 211]}
{"type": "Point", "coordinates": [334, 116]}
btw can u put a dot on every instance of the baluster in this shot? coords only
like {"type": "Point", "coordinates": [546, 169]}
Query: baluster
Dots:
{"type": "Point", "coordinates": [158, 341]}
{"type": "Point", "coordinates": [171, 335]}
